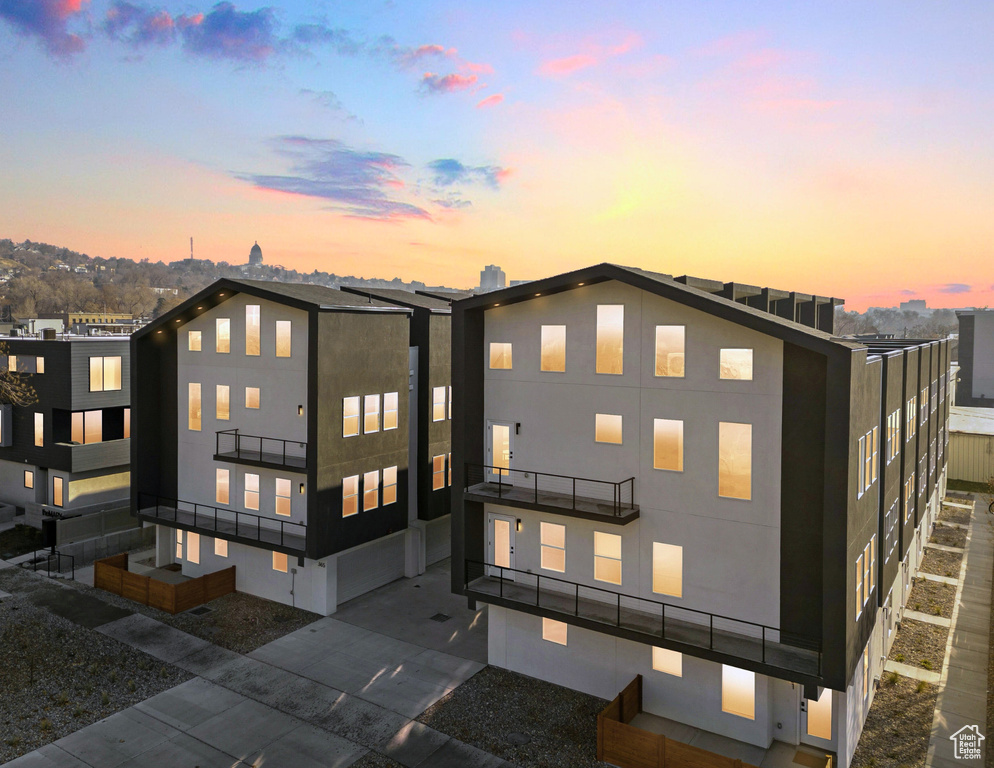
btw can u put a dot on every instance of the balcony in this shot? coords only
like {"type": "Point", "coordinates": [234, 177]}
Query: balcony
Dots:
{"type": "Point", "coordinates": [230, 524]}
{"type": "Point", "coordinates": [600, 500]}
{"type": "Point", "coordinates": [719, 638]}
{"type": "Point", "coordinates": [272, 452]}
{"type": "Point", "coordinates": [79, 457]}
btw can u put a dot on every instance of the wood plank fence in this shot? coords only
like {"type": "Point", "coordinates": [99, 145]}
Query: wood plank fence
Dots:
{"type": "Point", "coordinates": [112, 575]}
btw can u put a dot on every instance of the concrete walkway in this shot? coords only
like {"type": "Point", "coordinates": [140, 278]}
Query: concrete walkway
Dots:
{"type": "Point", "coordinates": [962, 698]}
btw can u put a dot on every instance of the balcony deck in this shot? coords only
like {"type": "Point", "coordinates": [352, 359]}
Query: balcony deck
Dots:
{"type": "Point", "coordinates": [255, 451]}
{"type": "Point", "coordinates": [263, 459]}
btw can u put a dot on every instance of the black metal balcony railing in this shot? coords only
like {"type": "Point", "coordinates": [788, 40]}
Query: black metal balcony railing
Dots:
{"type": "Point", "coordinates": [232, 445]}
{"type": "Point", "coordinates": [228, 522]}
{"type": "Point", "coordinates": [578, 494]}
{"type": "Point", "coordinates": [646, 617]}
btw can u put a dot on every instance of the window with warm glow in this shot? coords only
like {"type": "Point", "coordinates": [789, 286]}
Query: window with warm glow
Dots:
{"type": "Point", "coordinates": [222, 341]}
{"type": "Point", "coordinates": [607, 428]}
{"type": "Point", "coordinates": [610, 338]}
{"type": "Point", "coordinates": [251, 491]}
{"type": "Point", "coordinates": [738, 692]}
{"type": "Point", "coordinates": [194, 410]}
{"type": "Point", "coordinates": [105, 374]}
{"type": "Point", "coordinates": [438, 404]}
{"type": "Point", "coordinates": [390, 411]}
{"type": "Point", "coordinates": [86, 427]}
{"type": "Point", "coordinates": [500, 355]}
{"type": "Point", "coordinates": [221, 547]}
{"type": "Point", "coordinates": [670, 350]}
{"type": "Point", "coordinates": [860, 599]}
{"type": "Point", "coordinates": [279, 562]}
{"type": "Point", "coordinates": [450, 469]}
{"type": "Point", "coordinates": [735, 364]}
{"type": "Point", "coordinates": [371, 414]}
{"type": "Point", "coordinates": [194, 340]}
{"type": "Point", "coordinates": [179, 545]}
{"type": "Point", "coordinates": [12, 363]}
{"type": "Point", "coordinates": [223, 402]}
{"type": "Point", "coordinates": [127, 422]}
{"type": "Point", "coordinates": [450, 402]}
{"type": "Point", "coordinates": [39, 430]}
{"type": "Point", "coordinates": [350, 416]}
{"type": "Point", "coordinates": [283, 338]}
{"type": "Point", "coordinates": [667, 444]}
{"type": "Point", "coordinates": [29, 479]}
{"type": "Point", "coordinates": [350, 496]}
{"type": "Point", "coordinates": [554, 631]}
{"type": "Point", "coordinates": [866, 671]}
{"type": "Point", "coordinates": [437, 472]}
{"type": "Point", "coordinates": [253, 329]}
{"type": "Point", "coordinates": [667, 569]}
{"type": "Point", "coordinates": [39, 365]}
{"type": "Point", "coordinates": [370, 490]}
{"type": "Point", "coordinates": [607, 557]}
{"type": "Point", "coordinates": [734, 460]}
{"type": "Point", "coordinates": [553, 543]}
{"type": "Point", "coordinates": [282, 497]}
{"type": "Point", "coordinates": [222, 485]}
{"type": "Point", "coordinates": [58, 498]}
{"type": "Point", "coordinates": [665, 660]}
{"type": "Point", "coordinates": [554, 348]}
{"type": "Point", "coordinates": [820, 715]}
{"type": "Point", "coordinates": [253, 397]}
{"type": "Point", "coordinates": [193, 547]}
{"type": "Point", "coordinates": [389, 485]}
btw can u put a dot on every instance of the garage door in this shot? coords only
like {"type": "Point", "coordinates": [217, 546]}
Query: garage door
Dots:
{"type": "Point", "coordinates": [371, 566]}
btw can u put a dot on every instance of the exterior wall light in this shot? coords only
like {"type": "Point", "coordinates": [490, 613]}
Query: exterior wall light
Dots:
{"type": "Point", "coordinates": [300, 410]}
{"type": "Point", "coordinates": [517, 525]}
{"type": "Point", "coordinates": [301, 487]}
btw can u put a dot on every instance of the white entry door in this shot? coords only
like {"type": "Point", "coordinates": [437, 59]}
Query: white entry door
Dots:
{"type": "Point", "coordinates": [500, 544]}
{"type": "Point", "coordinates": [500, 451]}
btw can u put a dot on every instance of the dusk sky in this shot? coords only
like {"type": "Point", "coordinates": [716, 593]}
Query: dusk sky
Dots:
{"type": "Point", "coordinates": [838, 148]}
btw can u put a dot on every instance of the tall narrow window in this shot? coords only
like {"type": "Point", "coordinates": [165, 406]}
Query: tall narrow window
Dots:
{"type": "Point", "coordinates": [874, 447]}
{"type": "Point", "coordinates": [223, 402]}
{"type": "Point", "coordinates": [371, 414]}
{"type": "Point", "coordinates": [222, 485]}
{"type": "Point", "coordinates": [553, 546]}
{"type": "Point", "coordinates": [12, 363]}
{"type": "Point", "coordinates": [127, 422]}
{"type": "Point", "coordinates": [194, 341]}
{"type": "Point", "coordinates": [39, 365]}
{"type": "Point", "coordinates": [222, 340]}
{"type": "Point", "coordinates": [438, 404]}
{"type": "Point", "coordinates": [350, 496]}
{"type": "Point", "coordinates": [283, 338]}
{"type": "Point", "coordinates": [194, 412]}
{"type": "Point", "coordinates": [866, 573]}
{"type": "Point", "coordinates": [371, 490]}
{"type": "Point", "coordinates": [450, 402]}
{"type": "Point", "coordinates": [93, 427]}
{"type": "Point", "coordinates": [738, 692]}
{"type": "Point", "coordinates": [221, 547]}
{"type": "Point", "coordinates": [450, 469]}
{"type": "Point", "coordinates": [280, 562]}
{"type": "Point", "coordinates": [253, 397]}
{"type": "Point", "coordinates": [873, 561]}
{"type": "Point", "coordinates": [500, 355]}
{"type": "Point", "coordinates": [735, 460]}
{"type": "Point", "coordinates": [667, 444]}
{"type": "Point", "coordinates": [251, 491]}
{"type": "Point", "coordinates": [610, 338]}
{"type": "Point", "coordinates": [667, 569]}
{"type": "Point", "coordinates": [390, 411]}
{"type": "Point", "coordinates": [39, 430]}
{"type": "Point", "coordinates": [350, 416]}
{"type": "Point", "coordinates": [554, 348]}
{"type": "Point", "coordinates": [554, 631]}
{"type": "Point", "coordinates": [735, 364]}
{"type": "Point", "coordinates": [665, 660]}
{"type": "Point", "coordinates": [58, 489]}
{"type": "Point", "coordinates": [193, 547]}
{"type": "Point", "coordinates": [179, 545]}
{"type": "Point", "coordinates": [820, 715]}
{"type": "Point", "coordinates": [96, 374]}
{"type": "Point", "coordinates": [861, 481]}
{"type": "Point", "coordinates": [859, 586]}
{"type": "Point", "coordinates": [607, 428]}
{"type": "Point", "coordinates": [282, 497]}
{"type": "Point", "coordinates": [438, 472]}
{"type": "Point", "coordinates": [866, 671]}
{"type": "Point", "coordinates": [607, 557]}
{"type": "Point", "coordinates": [670, 345]}
{"type": "Point", "coordinates": [29, 478]}
{"type": "Point", "coordinates": [389, 485]}
{"type": "Point", "coordinates": [253, 329]}
{"type": "Point", "coordinates": [76, 428]}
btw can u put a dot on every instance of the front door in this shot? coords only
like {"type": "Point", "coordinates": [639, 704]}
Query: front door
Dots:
{"type": "Point", "coordinates": [500, 451]}
{"type": "Point", "coordinates": [500, 544]}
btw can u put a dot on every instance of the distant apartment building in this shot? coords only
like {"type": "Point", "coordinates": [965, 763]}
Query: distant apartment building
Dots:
{"type": "Point", "coordinates": [976, 358]}
{"type": "Point", "coordinates": [492, 278]}
{"type": "Point", "coordinates": [695, 482]}
{"type": "Point", "coordinates": [277, 430]}
{"type": "Point", "coordinates": [95, 323]}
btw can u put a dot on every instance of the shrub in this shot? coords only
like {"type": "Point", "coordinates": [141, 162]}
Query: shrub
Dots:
{"type": "Point", "coordinates": [926, 664]}
{"type": "Point", "coordinates": [45, 724]}
{"type": "Point", "coordinates": [132, 686]}
{"type": "Point", "coordinates": [899, 657]}
{"type": "Point", "coordinates": [891, 678]}
{"type": "Point", "coordinates": [104, 698]}
{"type": "Point", "coordinates": [921, 687]}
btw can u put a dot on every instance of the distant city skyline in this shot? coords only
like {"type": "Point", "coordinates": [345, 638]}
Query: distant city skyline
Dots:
{"type": "Point", "coordinates": [822, 148]}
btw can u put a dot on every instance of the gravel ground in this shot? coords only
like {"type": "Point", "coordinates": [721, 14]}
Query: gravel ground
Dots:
{"type": "Point", "coordinates": [375, 760]}
{"type": "Point", "coordinates": [897, 728]}
{"type": "Point", "coordinates": [920, 644]}
{"type": "Point", "coordinates": [941, 563]}
{"type": "Point", "coordinates": [948, 536]}
{"type": "Point", "coordinates": [19, 540]}
{"type": "Point", "coordinates": [954, 515]}
{"type": "Point", "coordinates": [932, 597]}
{"type": "Point", "coordinates": [57, 677]}
{"type": "Point", "coordinates": [494, 704]}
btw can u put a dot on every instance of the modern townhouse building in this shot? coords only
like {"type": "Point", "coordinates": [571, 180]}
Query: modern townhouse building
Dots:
{"type": "Point", "coordinates": [69, 451]}
{"type": "Point", "coordinates": [272, 433]}
{"type": "Point", "coordinates": [697, 482]}
{"type": "Point", "coordinates": [976, 358]}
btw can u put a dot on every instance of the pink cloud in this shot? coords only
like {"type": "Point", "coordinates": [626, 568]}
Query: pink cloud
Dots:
{"type": "Point", "coordinates": [447, 83]}
{"type": "Point", "coordinates": [592, 55]}
{"type": "Point", "coordinates": [566, 66]}
{"type": "Point", "coordinates": [504, 174]}
{"type": "Point", "coordinates": [478, 68]}
{"type": "Point", "coordinates": [630, 43]}
{"type": "Point", "coordinates": [491, 101]}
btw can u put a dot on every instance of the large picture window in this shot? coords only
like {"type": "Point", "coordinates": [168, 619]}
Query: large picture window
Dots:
{"type": "Point", "coordinates": [738, 692]}
{"type": "Point", "coordinates": [735, 364]}
{"type": "Point", "coordinates": [105, 374]}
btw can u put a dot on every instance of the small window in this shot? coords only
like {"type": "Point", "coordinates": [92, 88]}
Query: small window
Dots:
{"type": "Point", "coordinates": [251, 491]}
{"type": "Point", "coordinates": [58, 486]}
{"type": "Point", "coordinates": [610, 338]}
{"type": "Point", "coordinates": [389, 485]}
{"type": "Point", "coordinates": [734, 460]}
{"type": "Point", "coordinates": [607, 557]}
{"type": "Point", "coordinates": [370, 490]}
{"type": "Point", "coordinates": [194, 341]}
{"type": "Point", "coordinates": [665, 660]}
{"type": "Point", "coordinates": [607, 428]}
{"type": "Point", "coordinates": [667, 569]}
{"type": "Point", "coordinates": [738, 692]}
{"type": "Point", "coordinates": [500, 355]}
{"type": "Point", "coordinates": [438, 404]}
{"type": "Point", "coordinates": [283, 338]}
{"type": "Point", "coordinates": [179, 545]}
{"type": "Point", "coordinates": [221, 547]}
{"type": "Point", "coordinates": [438, 472]}
{"type": "Point", "coordinates": [193, 547]}
{"type": "Point", "coordinates": [667, 447]}
{"type": "Point", "coordinates": [670, 344]}
{"type": "Point", "coordinates": [554, 631]}
{"type": "Point", "coordinates": [253, 397]}
{"type": "Point", "coordinates": [553, 544]}
{"type": "Point", "coordinates": [282, 497]}
{"type": "Point", "coordinates": [29, 478]}
{"type": "Point", "coordinates": [39, 430]}
{"type": "Point", "coordinates": [390, 411]}
{"type": "Point", "coordinates": [279, 562]}
{"type": "Point", "coordinates": [350, 416]}
{"type": "Point", "coordinates": [12, 363]}
{"type": "Point", "coordinates": [223, 339]}
{"type": "Point", "coordinates": [223, 402]}
{"type": "Point", "coordinates": [866, 671]}
{"type": "Point", "coordinates": [253, 329]}
{"type": "Point", "coordinates": [450, 469]}
{"type": "Point", "coordinates": [39, 365]}
{"type": "Point", "coordinates": [371, 414]}
{"type": "Point", "coordinates": [221, 485]}
{"type": "Point", "coordinates": [554, 348]}
{"type": "Point", "coordinates": [350, 496]}
{"type": "Point", "coordinates": [736, 364]}
{"type": "Point", "coordinates": [105, 374]}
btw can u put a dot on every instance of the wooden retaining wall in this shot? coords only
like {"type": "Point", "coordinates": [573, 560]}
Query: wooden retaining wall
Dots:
{"type": "Point", "coordinates": [111, 574]}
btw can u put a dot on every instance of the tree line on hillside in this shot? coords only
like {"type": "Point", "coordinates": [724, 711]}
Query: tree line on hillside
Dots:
{"type": "Point", "coordinates": [934, 324]}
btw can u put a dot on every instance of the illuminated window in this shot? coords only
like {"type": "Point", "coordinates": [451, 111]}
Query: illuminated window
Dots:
{"type": "Point", "coordinates": [350, 416]}
{"type": "Point", "coordinates": [667, 569]}
{"type": "Point", "coordinates": [665, 660]}
{"type": "Point", "coordinates": [221, 547]}
{"type": "Point", "coordinates": [909, 496]}
{"type": "Point", "coordinates": [500, 355]}
{"type": "Point", "coordinates": [222, 485]}
{"type": "Point", "coordinates": [874, 448]}
{"type": "Point", "coordinates": [607, 428]}
{"type": "Point", "coordinates": [350, 496]}
{"type": "Point", "coordinates": [86, 427]}
{"type": "Point", "coordinates": [873, 561]}
{"type": "Point", "coordinates": [893, 435]}
{"type": "Point", "coordinates": [58, 498]}
{"type": "Point", "coordinates": [437, 472]}
{"type": "Point", "coordinates": [607, 557]}
{"type": "Point", "coordinates": [223, 402]}
{"type": "Point", "coordinates": [193, 547]}
{"type": "Point", "coordinates": [194, 410]}
{"type": "Point", "coordinates": [389, 485]}
{"type": "Point", "coordinates": [553, 544]}
{"type": "Point", "coordinates": [282, 497]}
{"type": "Point", "coordinates": [923, 403]}
{"type": "Point", "coordinates": [105, 374]}
{"type": "Point", "coordinates": [866, 572]}
{"type": "Point", "coordinates": [371, 414]}
{"type": "Point", "coordinates": [820, 715]}
{"type": "Point", "coordinates": [283, 338]}
{"type": "Point", "coordinates": [438, 404]}
{"type": "Point", "coordinates": [39, 365]}
{"type": "Point", "coordinates": [194, 341]}
{"type": "Point", "coordinates": [670, 350]}
{"type": "Point", "coordinates": [554, 631]}
{"type": "Point", "coordinates": [390, 411]}
{"type": "Point", "coordinates": [222, 342]}
{"type": "Point", "coordinates": [253, 329]}
{"type": "Point", "coordinates": [127, 422]}
{"type": "Point", "coordinates": [554, 348]}
{"type": "Point", "coordinates": [734, 460]}
{"type": "Point", "coordinates": [859, 586]}
{"type": "Point", "coordinates": [450, 402]}
{"type": "Point", "coordinates": [179, 545]}
{"type": "Point", "coordinates": [39, 430]}
{"type": "Point", "coordinates": [279, 562]}
{"type": "Point", "coordinates": [371, 490]}
{"type": "Point", "coordinates": [910, 425]}
{"type": "Point", "coordinates": [253, 397]}
{"type": "Point", "coordinates": [450, 469]}
{"type": "Point", "coordinates": [866, 671]}
{"type": "Point", "coordinates": [738, 692]}
{"type": "Point", "coordinates": [736, 364]}
{"type": "Point", "coordinates": [251, 491]}
{"type": "Point", "coordinates": [667, 444]}
{"type": "Point", "coordinates": [12, 363]}
{"type": "Point", "coordinates": [610, 338]}
{"type": "Point", "coordinates": [29, 478]}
